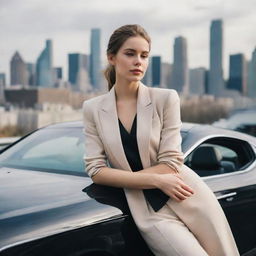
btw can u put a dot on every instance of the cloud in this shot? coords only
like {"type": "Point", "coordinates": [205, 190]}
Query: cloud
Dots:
{"type": "Point", "coordinates": [26, 24]}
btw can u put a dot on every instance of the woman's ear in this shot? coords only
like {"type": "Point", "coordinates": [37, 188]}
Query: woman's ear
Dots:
{"type": "Point", "coordinates": [111, 59]}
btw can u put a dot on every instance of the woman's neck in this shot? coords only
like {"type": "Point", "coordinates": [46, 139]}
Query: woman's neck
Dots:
{"type": "Point", "coordinates": [126, 91]}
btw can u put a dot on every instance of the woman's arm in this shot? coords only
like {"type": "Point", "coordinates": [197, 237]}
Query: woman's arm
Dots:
{"type": "Point", "coordinates": [170, 184]}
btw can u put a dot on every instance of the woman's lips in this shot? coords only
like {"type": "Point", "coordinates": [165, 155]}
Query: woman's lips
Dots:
{"type": "Point", "coordinates": [136, 71]}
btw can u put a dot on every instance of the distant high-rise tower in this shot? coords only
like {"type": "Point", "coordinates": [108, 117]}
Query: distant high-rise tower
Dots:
{"type": "Point", "coordinates": [166, 70]}
{"type": "Point", "coordinates": [2, 79]}
{"type": "Point", "coordinates": [237, 73]}
{"type": "Point", "coordinates": [180, 72]}
{"type": "Point", "coordinates": [216, 82]}
{"type": "Point", "coordinates": [156, 71]}
{"type": "Point", "coordinates": [58, 72]}
{"type": "Point", "coordinates": [197, 79]}
{"type": "Point", "coordinates": [147, 79]}
{"type": "Point", "coordinates": [19, 73]}
{"type": "Point", "coordinates": [251, 90]}
{"type": "Point", "coordinates": [95, 61]}
{"type": "Point", "coordinates": [31, 67]}
{"type": "Point", "coordinates": [44, 68]}
{"type": "Point", "coordinates": [77, 63]}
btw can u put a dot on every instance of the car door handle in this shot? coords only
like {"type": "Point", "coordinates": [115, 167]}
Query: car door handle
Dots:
{"type": "Point", "coordinates": [228, 196]}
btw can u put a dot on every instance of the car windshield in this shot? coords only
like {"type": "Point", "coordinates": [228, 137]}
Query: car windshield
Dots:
{"type": "Point", "coordinates": [56, 150]}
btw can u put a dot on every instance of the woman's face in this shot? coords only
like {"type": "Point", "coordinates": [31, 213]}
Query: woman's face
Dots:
{"type": "Point", "coordinates": [131, 60]}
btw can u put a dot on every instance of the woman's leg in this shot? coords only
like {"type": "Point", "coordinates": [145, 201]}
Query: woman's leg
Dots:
{"type": "Point", "coordinates": [170, 236]}
{"type": "Point", "coordinates": [204, 217]}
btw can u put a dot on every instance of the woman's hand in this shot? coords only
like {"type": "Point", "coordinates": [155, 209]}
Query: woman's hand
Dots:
{"type": "Point", "coordinates": [174, 186]}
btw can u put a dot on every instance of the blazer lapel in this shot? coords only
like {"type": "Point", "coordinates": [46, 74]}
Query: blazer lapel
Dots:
{"type": "Point", "coordinates": [110, 126]}
{"type": "Point", "coordinates": [144, 124]}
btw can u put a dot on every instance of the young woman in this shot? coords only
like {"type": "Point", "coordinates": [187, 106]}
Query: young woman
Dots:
{"type": "Point", "coordinates": [132, 141]}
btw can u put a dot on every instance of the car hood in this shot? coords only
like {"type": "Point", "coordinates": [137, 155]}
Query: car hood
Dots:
{"type": "Point", "coordinates": [36, 204]}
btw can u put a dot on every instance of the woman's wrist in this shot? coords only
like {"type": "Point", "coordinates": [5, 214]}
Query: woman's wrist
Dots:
{"type": "Point", "coordinates": [156, 180]}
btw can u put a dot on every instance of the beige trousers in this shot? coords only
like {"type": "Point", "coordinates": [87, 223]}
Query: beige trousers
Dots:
{"type": "Point", "coordinates": [197, 226]}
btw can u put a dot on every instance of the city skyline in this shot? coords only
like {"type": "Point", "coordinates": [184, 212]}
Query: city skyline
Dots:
{"type": "Point", "coordinates": [73, 34]}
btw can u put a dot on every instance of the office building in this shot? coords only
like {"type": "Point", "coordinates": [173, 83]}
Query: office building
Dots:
{"type": "Point", "coordinates": [237, 73]}
{"type": "Point", "coordinates": [58, 72]}
{"type": "Point", "coordinates": [216, 81]}
{"type": "Point", "coordinates": [166, 70]}
{"type": "Point", "coordinates": [95, 60]}
{"type": "Point", "coordinates": [180, 72]}
{"type": "Point", "coordinates": [2, 87]}
{"type": "Point", "coordinates": [44, 67]}
{"type": "Point", "coordinates": [251, 89]}
{"type": "Point", "coordinates": [156, 71]}
{"type": "Point", "coordinates": [197, 81]}
{"type": "Point", "coordinates": [147, 79]}
{"type": "Point", "coordinates": [78, 65]}
{"type": "Point", "coordinates": [31, 68]}
{"type": "Point", "coordinates": [19, 73]}
{"type": "Point", "coordinates": [2, 79]}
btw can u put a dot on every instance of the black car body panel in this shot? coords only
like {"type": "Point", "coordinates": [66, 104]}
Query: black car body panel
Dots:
{"type": "Point", "coordinates": [49, 212]}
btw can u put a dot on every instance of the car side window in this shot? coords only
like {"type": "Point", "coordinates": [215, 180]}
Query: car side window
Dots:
{"type": "Point", "coordinates": [49, 149]}
{"type": "Point", "coordinates": [220, 155]}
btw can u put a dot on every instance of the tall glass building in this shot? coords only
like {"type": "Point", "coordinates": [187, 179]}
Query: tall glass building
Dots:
{"type": "Point", "coordinates": [156, 71]}
{"type": "Point", "coordinates": [147, 79]}
{"type": "Point", "coordinates": [251, 90]}
{"type": "Point", "coordinates": [44, 69]}
{"type": "Point", "coordinates": [216, 81]}
{"type": "Point", "coordinates": [19, 73]}
{"type": "Point", "coordinates": [95, 60]}
{"type": "Point", "coordinates": [2, 79]}
{"type": "Point", "coordinates": [180, 71]}
{"type": "Point", "coordinates": [76, 63]}
{"type": "Point", "coordinates": [237, 73]}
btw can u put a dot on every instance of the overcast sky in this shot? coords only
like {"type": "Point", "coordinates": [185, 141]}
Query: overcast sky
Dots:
{"type": "Point", "coordinates": [26, 24]}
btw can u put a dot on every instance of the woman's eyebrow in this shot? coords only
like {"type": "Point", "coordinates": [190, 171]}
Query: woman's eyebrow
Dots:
{"type": "Point", "coordinates": [130, 49]}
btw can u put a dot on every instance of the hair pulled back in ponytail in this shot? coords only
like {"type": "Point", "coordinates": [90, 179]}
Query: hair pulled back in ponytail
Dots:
{"type": "Point", "coordinates": [116, 40]}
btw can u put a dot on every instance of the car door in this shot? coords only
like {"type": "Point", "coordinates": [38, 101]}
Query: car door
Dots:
{"type": "Point", "coordinates": [228, 167]}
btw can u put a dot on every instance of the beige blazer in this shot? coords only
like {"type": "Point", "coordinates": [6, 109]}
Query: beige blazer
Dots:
{"type": "Point", "coordinates": [158, 130]}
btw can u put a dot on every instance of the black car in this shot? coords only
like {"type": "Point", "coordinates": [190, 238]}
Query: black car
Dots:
{"type": "Point", "coordinates": [49, 206]}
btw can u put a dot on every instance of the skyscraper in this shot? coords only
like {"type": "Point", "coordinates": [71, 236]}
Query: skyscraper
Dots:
{"type": "Point", "coordinates": [180, 73]}
{"type": "Point", "coordinates": [44, 69]}
{"type": "Point", "coordinates": [156, 71]}
{"type": "Point", "coordinates": [77, 64]}
{"type": "Point", "coordinates": [237, 73]}
{"type": "Point", "coordinates": [166, 70]}
{"type": "Point", "coordinates": [216, 82]}
{"type": "Point", "coordinates": [19, 73]}
{"type": "Point", "coordinates": [147, 79]}
{"type": "Point", "coordinates": [95, 61]}
{"type": "Point", "coordinates": [197, 79]}
{"type": "Point", "coordinates": [2, 86]}
{"type": "Point", "coordinates": [31, 67]}
{"type": "Point", "coordinates": [2, 79]}
{"type": "Point", "coordinates": [252, 76]}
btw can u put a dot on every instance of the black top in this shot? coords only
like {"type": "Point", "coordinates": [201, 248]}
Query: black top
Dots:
{"type": "Point", "coordinates": [155, 197]}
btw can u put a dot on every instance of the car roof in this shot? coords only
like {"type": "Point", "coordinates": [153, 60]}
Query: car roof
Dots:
{"type": "Point", "coordinates": [199, 130]}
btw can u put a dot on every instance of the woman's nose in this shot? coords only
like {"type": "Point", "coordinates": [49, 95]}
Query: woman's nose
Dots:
{"type": "Point", "coordinates": [138, 61]}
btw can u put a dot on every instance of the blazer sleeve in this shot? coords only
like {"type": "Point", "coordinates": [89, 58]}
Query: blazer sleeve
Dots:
{"type": "Point", "coordinates": [94, 155]}
{"type": "Point", "coordinates": [170, 140]}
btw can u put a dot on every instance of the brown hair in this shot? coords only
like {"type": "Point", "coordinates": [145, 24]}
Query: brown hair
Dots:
{"type": "Point", "coordinates": [116, 40]}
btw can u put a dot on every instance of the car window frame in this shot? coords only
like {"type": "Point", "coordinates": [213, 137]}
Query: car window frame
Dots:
{"type": "Point", "coordinates": [208, 138]}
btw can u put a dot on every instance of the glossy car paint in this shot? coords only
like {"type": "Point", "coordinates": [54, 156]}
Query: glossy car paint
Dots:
{"type": "Point", "coordinates": [44, 213]}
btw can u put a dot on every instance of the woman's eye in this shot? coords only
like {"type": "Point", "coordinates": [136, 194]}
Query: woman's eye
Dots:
{"type": "Point", "coordinates": [129, 54]}
{"type": "Point", "coordinates": [144, 56]}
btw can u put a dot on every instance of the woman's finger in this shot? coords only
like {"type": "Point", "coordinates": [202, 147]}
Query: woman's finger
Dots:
{"type": "Point", "coordinates": [188, 188]}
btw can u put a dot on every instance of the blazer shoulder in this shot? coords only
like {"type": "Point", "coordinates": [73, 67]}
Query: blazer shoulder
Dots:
{"type": "Point", "coordinates": [93, 102]}
{"type": "Point", "coordinates": [163, 94]}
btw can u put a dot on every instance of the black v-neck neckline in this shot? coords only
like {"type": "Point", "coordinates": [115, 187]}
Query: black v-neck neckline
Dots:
{"type": "Point", "coordinates": [133, 124]}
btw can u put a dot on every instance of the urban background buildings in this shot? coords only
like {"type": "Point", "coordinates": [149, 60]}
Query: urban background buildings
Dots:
{"type": "Point", "coordinates": [40, 84]}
